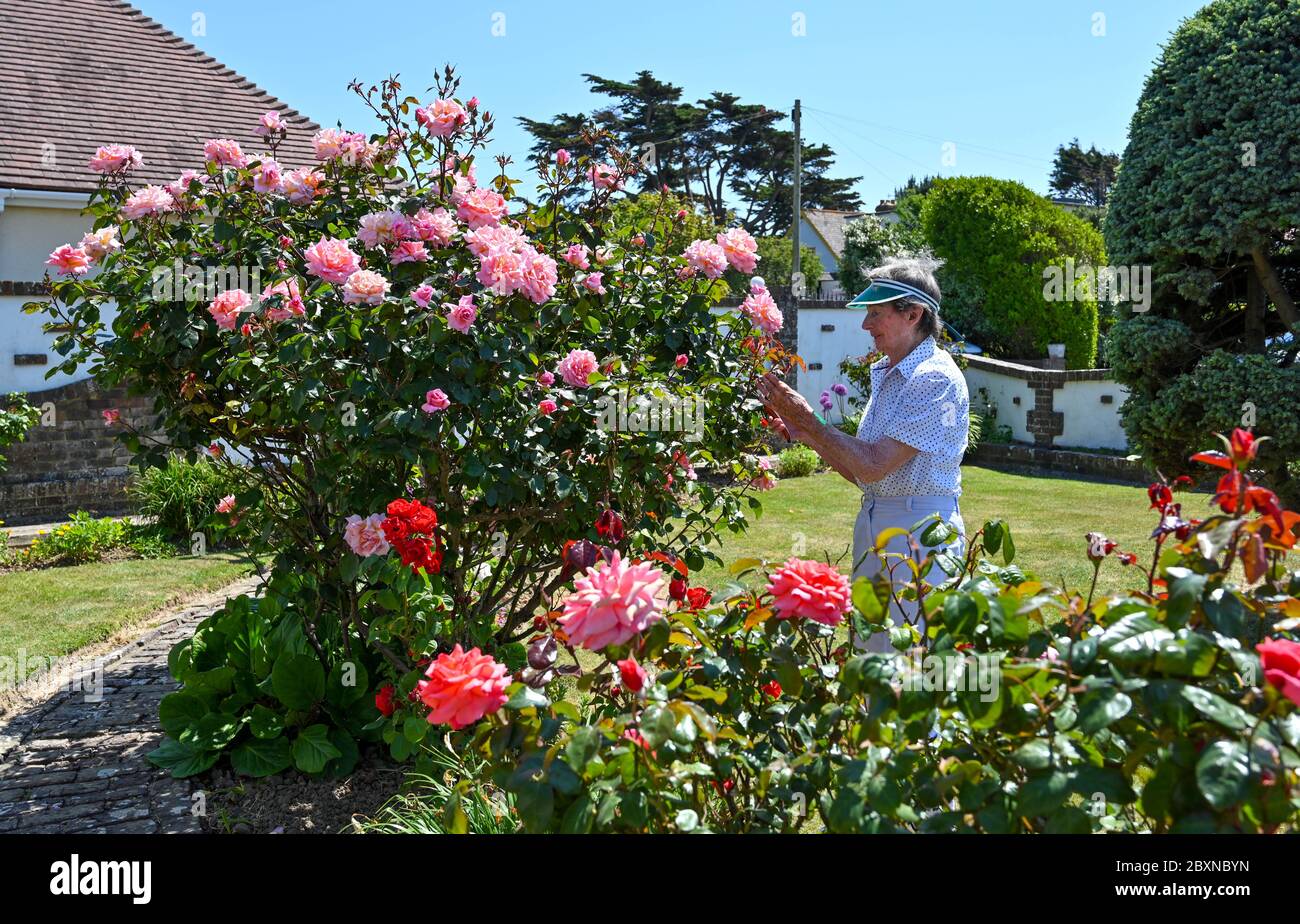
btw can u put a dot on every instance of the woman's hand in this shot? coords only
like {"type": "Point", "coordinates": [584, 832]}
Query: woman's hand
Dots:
{"type": "Point", "coordinates": [788, 404]}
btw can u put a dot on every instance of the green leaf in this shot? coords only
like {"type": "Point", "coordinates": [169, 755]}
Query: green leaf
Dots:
{"type": "Point", "coordinates": [865, 599]}
{"type": "Point", "coordinates": [312, 749]}
{"type": "Point", "coordinates": [1008, 546]}
{"type": "Point", "coordinates": [178, 711]}
{"type": "Point", "coordinates": [1223, 773]}
{"type": "Point", "coordinates": [1185, 589]}
{"type": "Point", "coordinates": [1102, 707]}
{"type": "Point", "coordinates": [298, 681]}
{"type": "Point", "coordinates": [181, 759]}
{"type": "Point", "coordinates": [266, 723]}
{"type": "Point", "coordinates": [348, 682]}
{"type": "Point", "coordinates": [258, 758]}
{"type": "Point", "coordinates": [1215, 707]}
{"type": "Point", "coordinates": [535, 803]}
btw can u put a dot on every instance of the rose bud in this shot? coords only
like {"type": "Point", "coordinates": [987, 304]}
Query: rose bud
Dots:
{"type": "Point", "coordinates": [634, 676]}
{"type": "Point", "coordinates": [609, 525]}
{"type": "Point", "coordinates": [677, 589]}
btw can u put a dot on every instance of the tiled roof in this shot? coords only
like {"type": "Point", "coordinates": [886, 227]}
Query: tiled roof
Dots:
{"type": "Point", "coordinates": [75, 74]}
{"type": "Point", "coordinates": [829, 225]}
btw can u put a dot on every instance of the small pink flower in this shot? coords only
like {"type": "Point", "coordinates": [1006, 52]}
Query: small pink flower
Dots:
{"type": "Point", "coordinates": [482, 207]}
{"type": "Point", "coordinates": [577, 366]}
{"type": "Point", "coordinates": [151, 200]}
{"type": "Point", "coordinates": [547, 407]}
{"type": "Point", "coordinates": [225, 308]}
{"type": "Point", "coordinates": [436, 227]}
{"type": "Point", "coordinates": [442, 117]}
{"type": "Point", "coordinates": [71, 261]}
{"type": "Point", "coordinates": [302, 185]}
{"type": "Point", "coordinates": [225, 152]}
{"type": "Point", "coordinates": [365, 535]}
{"type": "Point", "coordinates": [707, 258]}
{"type": "Point", "coordinates": [604, 176]}
{"type": "Point", "coordinates": [741, 249]}
{"type": "Point", "coordinates": [268, 124]}
{"type": "Point", "coordinates": [290, 304]}
{"type": "Point", "coordinates": [576, 255]}
{"type": "Point", "coordinates": [435, 400]}
{"type": "Point", "coordinates": [461, 316]}
{"type": "Point", "coordinates": [546, 378]}
{"type": "Point", "coordinates": [423, 295]}
{"type": "Point", "coordinates": [179, 188]}
{"type": "Point", "coordinates": [365, 287]}
{"type": "Point", "coordinates": [810, 590]}
{"type": "Point", "coordinates": [114, 158]}
{"type": "Point", "coordinates": [761, 309]}
{"type": "Point", "coordinates": [408, 252]}
{"type": "Point", "coordinates": [268, 178]}
{"type": "Point", "coordinates": [472, 104]}
{"type": "Point", "coordinates": [111, 416]}
{"type": "Point", "coordinates": [593, 283]}
{"type": "Point", "coordinates": [226, 504]}
{"type": "Point", "coordinates": [681, 360]}
{"type": "Point", "coordinates": [483, 241]}
{"type": "Point", "coordinates": [349, 147]}
{"type": "Point", "coordinates": [332, 259]}
{"type": "Point", "coordinates": [562, 157]}
{"type": "Point", "coordinates": [216, 451]}
{"type": "Point", "coordinates": [99, 244]}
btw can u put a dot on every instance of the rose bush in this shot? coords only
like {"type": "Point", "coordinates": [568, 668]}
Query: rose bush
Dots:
{"type": "Point", "coordinates": [1019, 708]}
{"type": "Point", "coordinates": [415, 335]}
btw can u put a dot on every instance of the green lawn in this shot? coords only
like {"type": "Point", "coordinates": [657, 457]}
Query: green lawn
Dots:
{"type": "Point", "coordinates": [1048, 519]}
{"type": "Point", "coordinates": [54, 611]}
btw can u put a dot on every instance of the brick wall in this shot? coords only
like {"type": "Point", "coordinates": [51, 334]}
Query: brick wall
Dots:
{"type": "Point", "coordinates": [71, 461]}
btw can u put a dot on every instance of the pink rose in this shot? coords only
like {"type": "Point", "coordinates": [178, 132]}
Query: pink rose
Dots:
{"type": "Point", "coordinates": [349, 147]}
{"type": "Point", "coordinates": [482, 207]}
{"type": "Point", "coordinates": [436, 227]}
{"type": "Point", "coordinates": [502, 271]}
{"type": "Point", "coordinates": [179, 188]}
{"type": "Point", "coordinates": [462, 686]}
{"type": "Point", "coordinates": [301, 186]}
{"type": "Point", "coordinates": [707, 258]}
{"type": "Point", "coordinates": [268, 124]}
{"type": "Point", "coordinates": [681, 360]}
{"type": "Point", "coordinates": [226, 504]}
{"type": "Point", "coordinates": [290, 304]}
{"type": "Point", "coordinates": [809, 590]}
{"type": "Point", "coordinates": [225, 152]}
{"type": "Point", "coordinates": [562, 157]}
{"type": "Point", "coordinates": [547, 407]}
{"type": "Point", "coordinates": [268, 179]}
{"type": "Point", "coordinates": [365, 536]}
{"type": "Point", "coordinates": [151, 200]}
{"type": "Point", "coordinates": [537, 276]}
{"type": "Point", "coordinates": [576, 255]}
{"type": "Point", "coordinates": [408, 252]}
{"type": "Point", "coordinates": [112, 158]}
{"type": "Point", "coordinates": [423, 295]}
{"type": "Point", "coordinates": [99, 244]}
{"type": "Point", "coordinates": [225, 308]}
{"type": "Point", "coordinates": [435, 400]}
{"type": "Point", "coordinates": [111, 416]}
{"type": "Point", "coordinates": [482, 241]}
{"type": "Point", "coordinates": [71, 261]}
{"type": "Point", "coordinates": [546, 379]}
{"type": "Point", "coordinates": [612, 602]}
{"type": "Point", "coordinates": [577, 366]}
{"type": "Point", "coordinates": [761, 309]}
{"type": "Point", "coordinates": [741, 249]}
{"type": "Point", "coordinates": [442, 117]}
{"type": "Point", "coordinates": [593, 283]}
{"type": "Point", "coordinates": [604, 176]}
{"type": "Point", "coordinates": [365, 287]}
{"type": "Point", "coordinates": [461, 316]}
{"type": "Point", "coordinates": [332, 260]}
{"type": "Point", "coordinates": [380, 228]}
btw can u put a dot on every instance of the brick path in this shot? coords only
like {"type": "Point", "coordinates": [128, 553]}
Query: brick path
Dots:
{"type": "Point", "coordinates": [69, 765]}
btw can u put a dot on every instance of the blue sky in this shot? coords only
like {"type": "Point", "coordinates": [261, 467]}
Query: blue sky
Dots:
{"type": "Point", "coordinates": [886, 84]}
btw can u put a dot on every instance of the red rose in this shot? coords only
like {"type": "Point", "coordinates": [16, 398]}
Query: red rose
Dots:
{"type": "Point", "coordinates": [633, 674]}
{"type": "Point", "coordinates": [772, 689]}
{"type": "Point", "coordinates": [698, 598]}
{"type": "Point", "coordinates": [609, 525]}
{"type": "Point", "coordinates": [1281, 662]}
{"type": "Point", "coordinates": [677, 588]}
{"type": "Point", "coordinates": [1243, 445]}
{"type": "Point", "coordinates": [1160, 496]}
{"type": "Point", "coordinates": [384, 699]}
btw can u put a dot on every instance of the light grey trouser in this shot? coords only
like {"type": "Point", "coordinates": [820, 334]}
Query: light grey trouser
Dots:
{"type": "Point", "coordinates": [881, 513]}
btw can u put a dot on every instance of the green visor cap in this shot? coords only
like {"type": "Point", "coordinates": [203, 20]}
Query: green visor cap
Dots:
{"type": "Point", "coordinates": [891, 290]}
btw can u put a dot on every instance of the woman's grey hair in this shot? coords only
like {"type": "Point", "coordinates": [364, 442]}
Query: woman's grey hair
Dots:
{"type": "Point", "coordinates": [916, 270]}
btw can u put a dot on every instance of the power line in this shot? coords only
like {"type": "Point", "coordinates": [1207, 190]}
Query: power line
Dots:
{"type": "Point", "coordinates": [866, 160]}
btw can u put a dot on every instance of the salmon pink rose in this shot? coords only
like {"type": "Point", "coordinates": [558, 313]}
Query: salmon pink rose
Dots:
{"type": "Point", "coordinates": [225, 308]}
{"type": "Point", "coordinates": [604, 176]}
{"type": "Point", "coordinates": [803, 589]}
{"type": "Point", "coordinates": [461, 316]}
{"type": "Point", "coordinates": [365, 287]}
{"type": "Point", "coordinates": [268, 178]}
{"type": "Point", "coordinates": [112, 417]}
{"type": "Point", "coordinates": [99, 244]}
{"type": "Point", "coordinates": [706, 257]}
{"type": "Point", "coordinates": [577, 366]}
{"type": "Point", "coordinates": [741, 249]}
{"type": "Point", "coordinates": [436, 227]}
{"type": "Point", "coordinates": [1280, 659]}
{"type": "Point", "coordinates": [482, 207]}
{"type": "Point", "coordinates": [268, 124]}
{"type": "Point", "coordinates": [546, 379]}
{"type": "Point", "coordinates": [612, 602]}
{"type": "Point", "coordinates": [423, 295]}
{"type": "Point", "coordinates": [547, 407]}
{"type": "Point", "coordinates": [365, 535]}
{"type": "Point", "coordinates": [151, 200]}
{"type": "Point", "coordinates": [562, 157]}
{"type": "Point", "coordinates": [594, 283]}
{"type": "Point", "coordinates": [463, 686]}
{"type": "Point", "coordinates": [290, 300]}
{"type": "Point", "coordinates": [576, 255]}
{"type": "Point", "coordinates": [302, 185]}
{"type": "Point", "coordinates": [114, 158]}
{"type": "Point", "coordinates": [408, 252]}
{"type": "Point", "coordinates": [225, 152]}
{"type": "Point", "coordinates": [538, 276]}
{"type": "Point", "coordinates": [71, 261]}
{"type": "Point", "coordinates": [762, 310]}
{"type": "Point", "coordinates": [332, 259]}
{"type": "Point", "coordinates": [379, 229]}
{"type": "Point", "coordinates": [442, 117]}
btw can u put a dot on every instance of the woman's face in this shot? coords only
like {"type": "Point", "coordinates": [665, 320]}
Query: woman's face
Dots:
{"type": "Point", "coordinates": [890, 328]}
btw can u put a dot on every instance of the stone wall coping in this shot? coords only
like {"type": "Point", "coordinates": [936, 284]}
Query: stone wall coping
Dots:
{"type": "Point", "coordinates": [1043, 378]}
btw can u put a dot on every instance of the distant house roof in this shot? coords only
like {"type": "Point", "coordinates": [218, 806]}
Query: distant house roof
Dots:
{"type": "Point", "coordinates": [829, 225]}
{"type": "Point", "coordinates": [75, 74]}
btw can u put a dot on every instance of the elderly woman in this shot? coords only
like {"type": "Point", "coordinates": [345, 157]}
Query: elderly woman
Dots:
{"type": "Point", "coordinates": [906, 457]}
